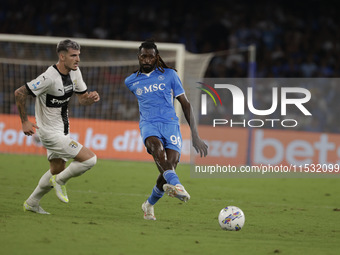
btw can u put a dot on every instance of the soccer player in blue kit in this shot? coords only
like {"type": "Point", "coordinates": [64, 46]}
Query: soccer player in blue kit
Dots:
{"type": "Point", "coordinates": [156, 85]}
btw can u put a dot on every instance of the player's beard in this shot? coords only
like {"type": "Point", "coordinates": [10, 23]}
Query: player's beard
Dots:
{"type": "Point", "coordinates": [148, 68]}
{"type": "Point", "coordinates": [72, 68]}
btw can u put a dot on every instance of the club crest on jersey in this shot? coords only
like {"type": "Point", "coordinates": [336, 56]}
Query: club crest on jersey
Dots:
{"type": "Point", "coordinates": [139, 91]}
{"type": "Point", "coordinates": [73, 144]}
{"type": "Point", "coordinates": [161, 77]}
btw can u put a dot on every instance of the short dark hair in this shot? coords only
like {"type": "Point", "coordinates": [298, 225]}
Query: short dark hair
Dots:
{"type": "Point", "coordinates": [67, 44]}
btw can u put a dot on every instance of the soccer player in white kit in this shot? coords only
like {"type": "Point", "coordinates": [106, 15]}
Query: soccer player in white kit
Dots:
{"type": "Point", "coordinates": [53, 90]}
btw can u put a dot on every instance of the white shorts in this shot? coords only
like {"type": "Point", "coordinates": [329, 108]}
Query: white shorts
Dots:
{"type": "Point", "coordinates": [60, 146]}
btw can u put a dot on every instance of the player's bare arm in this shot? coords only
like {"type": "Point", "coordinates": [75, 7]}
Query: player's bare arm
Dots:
{"type": "Point", "coordinates": [20, 100]}
{"type": "Point", "coordinates": [88, 98]}
{"type": "Point", "coordinates": [197, 142]}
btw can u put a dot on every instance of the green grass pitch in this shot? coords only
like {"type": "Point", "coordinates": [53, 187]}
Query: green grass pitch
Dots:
{"type": "Point", "coordinates": [104, 216]}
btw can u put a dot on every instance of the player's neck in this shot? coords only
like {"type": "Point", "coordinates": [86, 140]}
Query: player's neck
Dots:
{"type": "Point", "coordinates": [62, 69]}
{"type": "Point", "coordinates": [148, 74]}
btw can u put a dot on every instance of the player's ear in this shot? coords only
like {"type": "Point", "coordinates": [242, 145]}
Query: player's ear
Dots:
{"type": "Point", "coordinates": [138, 55]}
{"type": "Point", "coordinates": [61, 55]}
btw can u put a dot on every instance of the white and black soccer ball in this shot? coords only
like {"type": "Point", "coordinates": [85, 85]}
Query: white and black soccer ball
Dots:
{"type": "Point", "coordinates": [231, 218]}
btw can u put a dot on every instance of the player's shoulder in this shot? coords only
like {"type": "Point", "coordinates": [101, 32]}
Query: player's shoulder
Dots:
{"type": "Point", "coordinates": [51, 72]}
{"type": "Point", "coordinates": [170, 71]}
{"type": "Point", "coordinates": [49, 75]}
{"type": "Point", "coordinates": [131, 78]}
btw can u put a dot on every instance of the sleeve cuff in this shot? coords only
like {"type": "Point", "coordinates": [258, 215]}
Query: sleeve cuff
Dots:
{"type": "Point", "coordinates": [29, 90]}
{"type": "Point", "coordinates": [81, 92]}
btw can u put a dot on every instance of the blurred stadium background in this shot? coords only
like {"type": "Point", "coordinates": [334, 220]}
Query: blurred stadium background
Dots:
{"type": "Point", "coordinates": [292, 39]}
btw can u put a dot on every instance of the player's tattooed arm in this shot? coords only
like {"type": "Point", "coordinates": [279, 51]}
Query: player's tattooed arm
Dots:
{"type": "Point", "coordinates": [20, 100]}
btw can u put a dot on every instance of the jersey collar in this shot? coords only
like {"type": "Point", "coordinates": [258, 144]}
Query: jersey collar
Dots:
{"type": "Point", "coordinates": [148, 74]}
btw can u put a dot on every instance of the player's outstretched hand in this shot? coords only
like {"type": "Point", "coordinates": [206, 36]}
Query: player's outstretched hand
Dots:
{"type": "Point", "coordinates": [28, 128]}
{"type": "Point", "coordinates": [200, 146]}
{"type": "Point", "coordinates": [94, 96]}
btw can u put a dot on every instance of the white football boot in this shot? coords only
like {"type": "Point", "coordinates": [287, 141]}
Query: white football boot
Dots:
{"type": "Point", "coordinates": [35, 209]}
{"type": "Point", "coordinates": [148, 210]}
{"type": "Point", "coordinates": [177, 191]}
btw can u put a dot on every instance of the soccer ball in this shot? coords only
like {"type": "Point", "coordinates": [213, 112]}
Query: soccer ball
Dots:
{"type": "Point", "coordinates": [231, 218]}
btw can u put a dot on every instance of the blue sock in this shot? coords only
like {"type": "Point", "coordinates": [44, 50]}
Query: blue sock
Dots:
{"type": "Point", "coordinates": [171, 177]}
{"type": "Point", "coordinates": [155, 195]}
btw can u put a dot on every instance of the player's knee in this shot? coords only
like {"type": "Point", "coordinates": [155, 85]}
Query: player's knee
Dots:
{"type": "Point", "coordinates": [85, 165]}
{"type": "Point", "coordinates": [154, 145]}
{"type": "Point", "coordinates": [90, 162]}
{"type": "Point", "coordinates": [157, 151]}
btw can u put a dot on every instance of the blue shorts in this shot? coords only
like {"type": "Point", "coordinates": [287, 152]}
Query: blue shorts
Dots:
{"type": "Point", "coordinates": [168, 134]}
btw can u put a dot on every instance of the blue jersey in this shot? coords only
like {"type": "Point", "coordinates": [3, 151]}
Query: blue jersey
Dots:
{"type": "Point", "coordinates": [155, 93]}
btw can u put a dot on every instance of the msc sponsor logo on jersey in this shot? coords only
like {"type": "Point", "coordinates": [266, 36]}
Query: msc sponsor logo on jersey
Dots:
{"type": "Point", "coordinates": [150, 88]}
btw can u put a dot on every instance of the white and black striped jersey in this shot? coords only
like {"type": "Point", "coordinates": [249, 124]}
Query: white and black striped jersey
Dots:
{"type": "Point", "coordinates": [53, 91]}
